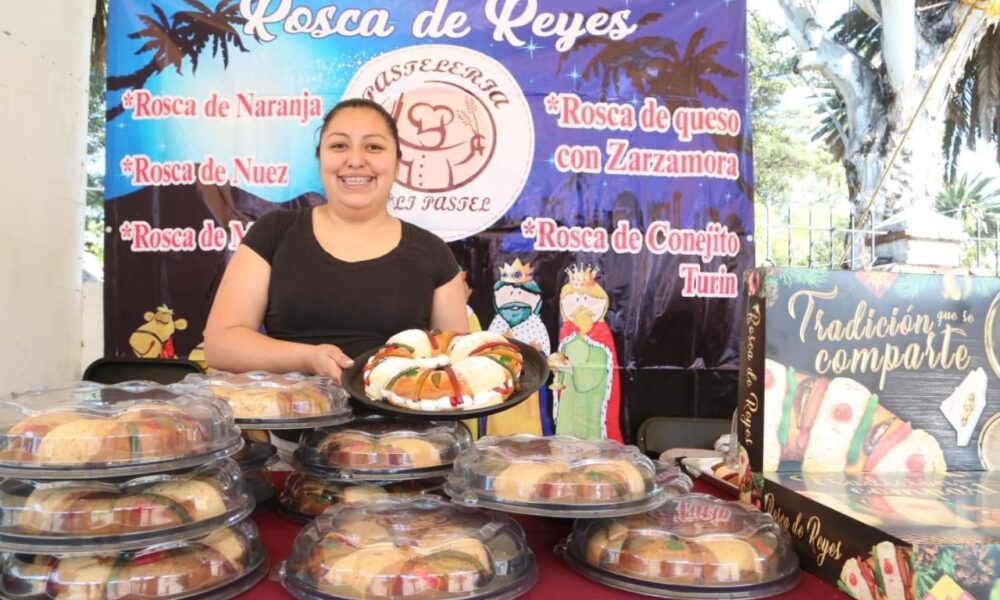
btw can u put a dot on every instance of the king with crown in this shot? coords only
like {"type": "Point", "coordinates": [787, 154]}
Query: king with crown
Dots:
{"type": "Point", "coordinates": [587, 387]}
{"type": "Point", "coordinates": [517, 299]}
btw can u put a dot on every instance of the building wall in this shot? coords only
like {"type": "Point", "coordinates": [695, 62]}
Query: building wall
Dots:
{"type": "Point", "coordinates": [44, 65]}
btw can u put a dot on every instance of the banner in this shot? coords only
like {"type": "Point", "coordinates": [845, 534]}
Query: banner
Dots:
{"type": "Point", "coordinates": [589, 163]}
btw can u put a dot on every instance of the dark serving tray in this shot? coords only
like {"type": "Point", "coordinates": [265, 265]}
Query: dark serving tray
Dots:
{"type": "Point", "coordinates": [534, 374]}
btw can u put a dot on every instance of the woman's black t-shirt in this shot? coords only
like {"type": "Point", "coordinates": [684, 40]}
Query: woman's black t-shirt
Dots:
{"type": "Point", "coordinates": [315, 298]}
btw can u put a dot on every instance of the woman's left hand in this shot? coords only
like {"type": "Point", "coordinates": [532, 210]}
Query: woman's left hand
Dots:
{"type": "Point", "coordinates": [328, 359]}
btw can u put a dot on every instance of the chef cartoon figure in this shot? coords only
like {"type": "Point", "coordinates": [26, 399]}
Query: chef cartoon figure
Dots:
{"type": "Point", "coordinates": [447, 137]}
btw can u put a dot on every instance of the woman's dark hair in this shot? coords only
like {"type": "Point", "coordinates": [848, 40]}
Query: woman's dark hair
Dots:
{"type": "Point", "coordinates": [370, 105]}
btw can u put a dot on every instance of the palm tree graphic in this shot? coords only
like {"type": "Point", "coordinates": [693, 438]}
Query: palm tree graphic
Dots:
{"type": "Point", "coordinates": [185, 34]}
{"type": "Point", "coordinates": [654, 66]}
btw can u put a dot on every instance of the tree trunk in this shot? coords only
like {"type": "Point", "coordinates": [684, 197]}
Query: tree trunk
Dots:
{"type": "Point", "coordinates": [882, 109]}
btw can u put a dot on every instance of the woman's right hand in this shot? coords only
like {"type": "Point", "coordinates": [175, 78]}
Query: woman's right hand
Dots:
{"type": "Point", "coordinates": [327, 359]}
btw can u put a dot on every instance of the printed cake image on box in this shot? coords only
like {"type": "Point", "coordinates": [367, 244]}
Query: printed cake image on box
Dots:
{"type": "Point", "coordinates": [851, 371]}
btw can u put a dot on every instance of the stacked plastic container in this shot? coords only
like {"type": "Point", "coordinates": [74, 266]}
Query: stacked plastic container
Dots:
{"type": "Point", "coordinates": [693, 546]}
{"type": "Point", "coordinates": [418, 547]}
{"type": "Point", "coordinates": [638, 526]}
{"type": "Point", "coordinates": [262, 402]}
{"type": "Point", "coordinates": [383, 532]}
{"type": "Point", "coordinates": [371, 457]}
{"type": "Point", "coordinates": [254, 461]}
{"type": "Point", "coordinates": [123, 491]}
{"type": "Point", "coordinates": [561, 476]}
{"type": "Point", "coordinates": [365, 545]}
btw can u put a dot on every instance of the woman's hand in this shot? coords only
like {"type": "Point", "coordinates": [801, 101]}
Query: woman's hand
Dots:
{"type": "Point", "coordinates": [328, 359]}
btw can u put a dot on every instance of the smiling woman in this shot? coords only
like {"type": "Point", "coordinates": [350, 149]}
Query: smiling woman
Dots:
{"type": "Point", "coordinates": [329, 282]}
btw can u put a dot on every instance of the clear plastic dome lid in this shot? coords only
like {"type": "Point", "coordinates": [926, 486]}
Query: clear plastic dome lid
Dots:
{"type": "Point", "coordinates": [692, 546]}
{"type": "Point", "coordinates": [672, 478]}
{"type": "Point", "coordinates": [93, 430]}
{"type": "Point", "coordinates": [414, 547]}
{"type": "Point", "coordinates": [305, 496]}
{"type": "Point", "coordinates": [219, 565]}
{"type": "Point", "coordinates": [375, 447]}
{"type": "Point", "coordinates": [557, 476]}
{"type": "Point", "coordinates": [276, 401]}
{"type": "Point", "coordinates": [90, 515]}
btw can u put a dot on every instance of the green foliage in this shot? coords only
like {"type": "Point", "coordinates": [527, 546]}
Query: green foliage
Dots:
{"type": "Point", "coordinates": [974, 111]}
{"type": "Point", "coordinates": [791, 172]}
{"type": "Point", "coordinates": [947, 561]}
{"type": "Point", "coordinates": [810, 234]}
{"type": "Point", "coordinates": [806, 278]}
{"type": "Point", "coordinates": [93, 216]}
{"type": "Point", "coordinates": [973, 200]}
{"type": "Point", "coordinates": [910, 286]}
{"type": "Point", "coordinates": [768, 75]}
{"type": "Point", "coordinates": [925, 579]}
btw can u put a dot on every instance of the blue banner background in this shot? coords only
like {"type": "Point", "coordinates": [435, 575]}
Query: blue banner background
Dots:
{"type": "Point", "coordinates": [683, 53]}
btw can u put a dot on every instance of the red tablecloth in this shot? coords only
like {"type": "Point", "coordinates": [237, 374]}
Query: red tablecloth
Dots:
{"type": "Point", "coordinates": [556, 580]}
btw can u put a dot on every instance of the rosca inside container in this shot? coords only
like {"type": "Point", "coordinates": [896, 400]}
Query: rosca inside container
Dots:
{"type": "Point", "coordinates": [415, 547]}
{"type": "Point", "coordinates": [305, 496]}
{"type": "Point", "coordinates": [90, 515]}
{"type": "Point", "coordinates": [276, 401]}
{"type": "Point", "coordinates": [91, 430]}
{"type": "Point", "coordinates": [219, 565]}
{"type": "Point", "coordinates": [557, 476]}
{"type": "Point", "coordinates": [381, 448]}
{"type": "Point", "coordinates": [692, 546]}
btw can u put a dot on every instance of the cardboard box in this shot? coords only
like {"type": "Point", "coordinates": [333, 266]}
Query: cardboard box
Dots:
{"type": "Point", "coordinates": [847, 371]}
{"type": "Point", "coordinates": [937, 533]}
{"type": "Point", "coordinates": [868, 418]}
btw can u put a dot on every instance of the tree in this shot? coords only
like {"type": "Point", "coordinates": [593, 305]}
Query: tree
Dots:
{"type": "Point", "coordinates": [93, 216]}
{"type": "Point", "coordinates": [93, 219]}
{"type": "Point", "coordinates": [970, 200]}
{"type": "Point", "coordinates": [784, 159]}
{"type": "Point", "coordinates": [899, 93]}
{"type": "Point", "coordinates": [796, 181]}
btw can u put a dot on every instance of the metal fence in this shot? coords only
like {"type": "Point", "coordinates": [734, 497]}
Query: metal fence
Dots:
{"type": "Point", "coordinates": [814, 236]}
{"type": "Point", "coordinates": [981, 252]}
{"type": "Point", "coordinates": [825, 236]}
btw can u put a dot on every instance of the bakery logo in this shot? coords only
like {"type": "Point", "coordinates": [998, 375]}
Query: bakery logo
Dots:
{"type": "Point", "coordinates": [698, 512]}
{"type": "Point", "coordinates": [465, 130]}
